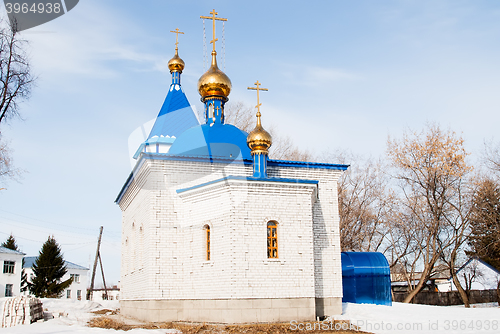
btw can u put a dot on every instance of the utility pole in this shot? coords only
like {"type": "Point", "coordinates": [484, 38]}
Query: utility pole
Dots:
{"type": "Point", "coordinates": [103, 280]}
{"type": "Point", "coordinates": [97, 256]}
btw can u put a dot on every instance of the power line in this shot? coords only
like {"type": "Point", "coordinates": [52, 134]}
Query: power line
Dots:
{"type": "Point", "coordinates": [47, 222]}
{"type": "Point", "coordinates": [60, 232]}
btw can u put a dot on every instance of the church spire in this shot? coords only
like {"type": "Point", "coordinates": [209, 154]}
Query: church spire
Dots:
{"type": "Point", "coordinates": [176, 64]}
{"type": "Point", "coordinates": [259, 140]}
{"type": "Point", "coordinates": [214, 85]}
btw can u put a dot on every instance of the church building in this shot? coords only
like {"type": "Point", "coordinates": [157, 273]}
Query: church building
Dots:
{"type": "Point", "coordinates": [213, 230]}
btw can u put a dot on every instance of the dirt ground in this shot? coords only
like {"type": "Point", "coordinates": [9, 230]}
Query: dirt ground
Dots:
{"type": "Point", "coordinates": [113, 320]}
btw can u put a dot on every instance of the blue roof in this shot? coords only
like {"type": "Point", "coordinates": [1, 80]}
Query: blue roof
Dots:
{"type": "Point", "coordinates": [176, 115]}
{"type": "Point", "coordinates": [10, 251]}
{"type": "Point", "coordinates": [30, 260]}
{"type": "Point", "coordinates": [478, 259]}
{"type": "Point", "coordinates": [212, 141]}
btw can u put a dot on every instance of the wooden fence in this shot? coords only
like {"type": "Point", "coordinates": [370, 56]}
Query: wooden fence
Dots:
{"type": "Point", "coordinates": [448, 298]}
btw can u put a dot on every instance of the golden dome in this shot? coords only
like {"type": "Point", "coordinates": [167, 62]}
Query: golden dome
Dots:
{"type": "Point", "coordinates": [259, 140]}
{"type": "Point", "coordinates": [176, 64]}
{"type": "Point", "coordinates": [214, 81]}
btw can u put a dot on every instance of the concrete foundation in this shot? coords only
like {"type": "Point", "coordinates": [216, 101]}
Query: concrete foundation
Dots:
{"type": "Point", "coordinates": [231, 310]}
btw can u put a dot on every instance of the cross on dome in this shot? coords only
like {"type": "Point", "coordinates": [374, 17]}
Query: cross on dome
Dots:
{"type": "Point", "coordinates": [176, 32]}
{"type": "Point", "coordinates": [213, 18]}
{"type": "Point", "coordinates": [258, 101]}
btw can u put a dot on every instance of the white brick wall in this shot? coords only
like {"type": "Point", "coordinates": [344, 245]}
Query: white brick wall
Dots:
{"type": "Point", "coordinates": [167, 259]}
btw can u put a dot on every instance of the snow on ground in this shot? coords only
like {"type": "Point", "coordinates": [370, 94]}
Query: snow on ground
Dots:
{"type": "Point", "coordinates": [71, 316]}
{"type": "Point", "coordinates": [413, 318]}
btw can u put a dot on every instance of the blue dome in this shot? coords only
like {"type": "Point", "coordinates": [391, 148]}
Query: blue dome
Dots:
{"type": "Point", "coordinates": [212, 141]}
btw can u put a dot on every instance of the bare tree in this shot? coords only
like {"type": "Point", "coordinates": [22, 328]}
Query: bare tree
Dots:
{"type": "Point", "coordinates": [7, 169]}
{"type": "Point", "coordinates": [491, 156]}
{"type": "Point", "coordinates": [430, 166]}
{"type": "Point", "coordinates": [470, 274]}
{"type": "Point", "coordinates": [404, 234]}
{"type": "Point", "coordinates": [16, 79]}
{"type": "Point", "coordinates": [243, 117]}
{"type": "Point", "coordinates": [240, 115]}
{"type": "Point", "coordinates": [456, 231]}
{"type": "Point", "coordinates": [283, 148]}
{"type": "Point", "coordinates": [364, 203]}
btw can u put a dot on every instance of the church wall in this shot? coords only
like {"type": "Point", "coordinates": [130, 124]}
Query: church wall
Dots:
{"type": "Point", "coordinates": [328, 268]}
{"type": "Point", "coordinates": [136, 245]}
{"type": "Point", "coordinates": [238, 222]}
{"type": "Point", "coordinates": [174, 241]}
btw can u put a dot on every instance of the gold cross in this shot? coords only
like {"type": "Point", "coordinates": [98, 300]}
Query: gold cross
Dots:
{"type": "Point", "coordinates": [213, 18]}
{"type": "Point", "coordinates": [176, 32]}
{"type": "Point", "coordinates": [258, 89]}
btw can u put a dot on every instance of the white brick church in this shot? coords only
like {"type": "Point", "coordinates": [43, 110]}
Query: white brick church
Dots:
{"type": "Point", "coordinates": [215, 231]}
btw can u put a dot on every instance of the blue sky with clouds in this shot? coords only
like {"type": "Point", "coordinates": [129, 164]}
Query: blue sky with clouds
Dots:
{"type": "Point", "coordinates": [340, 74]}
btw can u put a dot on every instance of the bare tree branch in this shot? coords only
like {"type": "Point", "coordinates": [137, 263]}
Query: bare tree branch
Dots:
{"type": "Point", "coordinates": [431, 168]}
{"type": "Point", "coordinates": [16, 79]}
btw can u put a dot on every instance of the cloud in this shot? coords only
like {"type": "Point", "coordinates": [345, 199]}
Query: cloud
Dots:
{"type": "Point", "coordinates": [316, 76]}
{"type": "Point", "coordinates": [89, 42]}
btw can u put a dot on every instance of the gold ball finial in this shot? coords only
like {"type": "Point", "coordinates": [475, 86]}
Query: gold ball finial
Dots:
{"type": "Point", "coordinates": [214, 82]}
{"type": "Point", "coordinates": [259, 140]}
{"type": "Point", "coordinates": [176, 64]}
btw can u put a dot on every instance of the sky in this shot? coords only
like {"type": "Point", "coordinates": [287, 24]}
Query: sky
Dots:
{"type": "Point", "coordinates": [342, 75]}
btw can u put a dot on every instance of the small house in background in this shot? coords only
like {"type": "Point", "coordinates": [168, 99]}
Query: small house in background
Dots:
{"type": "Point", "coordinates": [77, 289]}
{"type": "Point", "coordinates": [437, 282]}
{"type": "Point", "coordinates": [10, 277]}
{"type": "Point", "coordinates": [113, 294]}
{"type": "Point", "coordinates": [476, 274]}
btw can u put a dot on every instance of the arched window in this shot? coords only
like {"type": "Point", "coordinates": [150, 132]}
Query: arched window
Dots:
{"type": "Point", "coordinates": [207, 238]}
{"type": "Point", "coordinates": [272, 240]}
{"type": "Point", "coordinates": [210, 111]}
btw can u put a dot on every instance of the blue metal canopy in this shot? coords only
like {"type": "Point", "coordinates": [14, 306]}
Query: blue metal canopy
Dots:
{"type": "Point", "coordinates": [366, 278]}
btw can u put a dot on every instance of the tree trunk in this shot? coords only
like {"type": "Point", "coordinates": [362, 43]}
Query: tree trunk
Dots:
{"type": "Point", "coordinates": [461, 291]}
{"type": "Point", "coordinates": [420, 285]}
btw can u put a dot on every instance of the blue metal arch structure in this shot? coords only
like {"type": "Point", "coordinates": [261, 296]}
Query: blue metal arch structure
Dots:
{"type": "Point", "coordinates": [366, 278]}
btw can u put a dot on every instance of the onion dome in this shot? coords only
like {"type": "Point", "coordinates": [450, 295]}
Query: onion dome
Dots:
{"type": "Point", "coordinates": [259, 140]}
{"type": "Point", "coordinates": [214, 82]}
{"type": "Point", "coordinates": [176, 64]}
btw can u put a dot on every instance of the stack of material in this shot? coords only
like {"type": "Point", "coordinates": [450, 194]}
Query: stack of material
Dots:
{"type": "Point", "coordinates": [21, 310]}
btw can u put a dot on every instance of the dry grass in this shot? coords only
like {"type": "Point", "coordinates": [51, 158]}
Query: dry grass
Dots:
{"type": "Point", "coordinates": [105, 311]}
{"type": "Point", "coordinates": [108, 323]}
{"type": "Point", "coordinates": [191, 328]}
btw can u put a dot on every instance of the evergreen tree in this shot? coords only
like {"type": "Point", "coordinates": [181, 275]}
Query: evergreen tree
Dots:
{"type": "Point", "coordinates": [48, 270]}
{"type": "Point", "coordinates": [485, 224]}
{"type": "Point", "coordinates": [10, 243]}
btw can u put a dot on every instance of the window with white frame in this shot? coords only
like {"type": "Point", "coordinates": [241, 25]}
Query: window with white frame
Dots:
{"type": "Point", "coordinates": [75, 277]}
{"type": "Point", "coordinates": [8, 290]}
{"type": "Point", "coordinates": [68, 293]}
{"type": "Point", "coordinates": [8, 267]}
{"type": "Point", "coordinates": [79, 294]}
